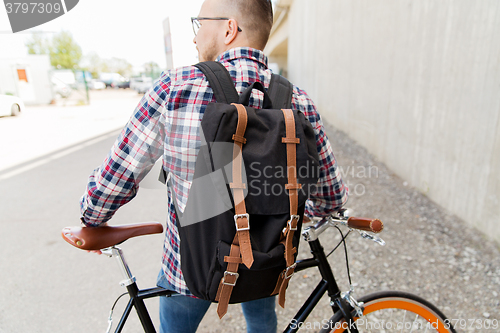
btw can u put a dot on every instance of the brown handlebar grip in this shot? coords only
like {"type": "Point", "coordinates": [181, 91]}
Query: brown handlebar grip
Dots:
{"type": "Point", "coordinates": [366, 224]}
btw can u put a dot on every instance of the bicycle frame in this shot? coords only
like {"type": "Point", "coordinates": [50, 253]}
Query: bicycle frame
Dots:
{"type": "Point", "coordinates": [137, 296]}
{"type": "Point", "coordinates": [319, 260]}
{"type": "Point", "coordinates": [328, 283]}
{"type": "Point", "coordinates": [136, 300]}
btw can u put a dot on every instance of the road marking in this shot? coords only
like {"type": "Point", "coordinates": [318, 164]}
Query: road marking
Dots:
{"type": "Point", "coordinates": [58, 155]}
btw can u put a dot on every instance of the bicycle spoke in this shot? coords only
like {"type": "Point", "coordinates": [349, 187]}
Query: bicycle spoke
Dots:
{"type": "Point", "coordinates": [404, 317]}
{"type": "Point", "coordinates": [413, 325]}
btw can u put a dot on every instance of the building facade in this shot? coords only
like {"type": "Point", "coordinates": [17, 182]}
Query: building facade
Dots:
{"type": "Point", "coordinates": [27, 77]}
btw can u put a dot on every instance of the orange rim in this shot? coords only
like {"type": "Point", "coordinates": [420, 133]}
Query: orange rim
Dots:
{"type": "Point", "coordinates": [432, 318]}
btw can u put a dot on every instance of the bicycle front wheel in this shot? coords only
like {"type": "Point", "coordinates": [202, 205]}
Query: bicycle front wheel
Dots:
{"type": "Point", "coordinates": [393, 311]}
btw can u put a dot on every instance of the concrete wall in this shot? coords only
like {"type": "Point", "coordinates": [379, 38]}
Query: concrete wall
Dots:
{"type": "Point", "coordinates": [415, 82]}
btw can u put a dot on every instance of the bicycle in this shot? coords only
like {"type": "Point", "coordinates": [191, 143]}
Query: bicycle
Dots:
{"type": "Point", "coordinates": [385, 311]}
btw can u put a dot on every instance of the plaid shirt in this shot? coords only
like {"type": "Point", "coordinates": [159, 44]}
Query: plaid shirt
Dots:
{"type": "Point", "coordinates": [166, 123]}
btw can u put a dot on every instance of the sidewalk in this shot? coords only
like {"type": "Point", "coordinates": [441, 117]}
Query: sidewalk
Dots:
{"type": "Point", "coordinates": [44, 129]}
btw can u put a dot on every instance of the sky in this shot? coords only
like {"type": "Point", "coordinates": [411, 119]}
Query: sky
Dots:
{"type": "Point", "coordinates": [131, 30]}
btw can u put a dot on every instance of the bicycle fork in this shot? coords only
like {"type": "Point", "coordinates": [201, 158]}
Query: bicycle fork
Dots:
{"type": "Point", "coordinates": [337, 302]}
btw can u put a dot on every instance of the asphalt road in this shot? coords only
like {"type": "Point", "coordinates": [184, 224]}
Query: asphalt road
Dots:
{"type": "Point", "coordinates": [47, 285]}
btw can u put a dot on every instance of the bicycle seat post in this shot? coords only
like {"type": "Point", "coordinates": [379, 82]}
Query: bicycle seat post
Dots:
{"type": "Point", "coordinates": [116, 252]}
{"type": "Point", "coordinates": [135, 299]}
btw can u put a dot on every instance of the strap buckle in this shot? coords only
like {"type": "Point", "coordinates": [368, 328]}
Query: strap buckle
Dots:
{"type": "Point", "coordinates": [226, 273]}
{"type": "Point", "coordinates": [237, 216]}
{"type": "Point", "coordinates": [292, 268]}
{"type": "Point", "coordinates": [293, 217]}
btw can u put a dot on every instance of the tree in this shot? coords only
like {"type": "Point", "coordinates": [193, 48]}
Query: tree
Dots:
{"type": "Point", "coordinates": [64, 51]}
{"type": "Point", "coordinates": [96, 65]}
{"type": "Point", "coordinates": [37, 44]}
{"type": "Point", "coordinates": [152, 69]}
{"type": "Point", "coordinates": [93, 63]}
{"type": "Point", "coordinates": [118, 65]}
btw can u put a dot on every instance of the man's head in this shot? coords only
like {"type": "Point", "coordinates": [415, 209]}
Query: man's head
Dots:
{"type": "Point", "coordinates": [248, 24]}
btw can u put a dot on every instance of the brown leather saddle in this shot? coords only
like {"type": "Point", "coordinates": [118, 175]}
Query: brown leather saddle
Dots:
{"type": "Point", "coordinates": [97, 238]}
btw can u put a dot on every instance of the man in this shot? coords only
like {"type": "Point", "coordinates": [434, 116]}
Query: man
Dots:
{"type": "Point", "coordinates": [166, 124]}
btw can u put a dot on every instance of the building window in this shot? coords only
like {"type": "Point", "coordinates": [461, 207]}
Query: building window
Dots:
{"type": "Point", "coordinates": [21, 74]}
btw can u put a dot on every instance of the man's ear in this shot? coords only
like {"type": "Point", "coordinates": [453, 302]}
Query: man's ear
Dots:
{"type": "Point", "coordinates": [231, 31]}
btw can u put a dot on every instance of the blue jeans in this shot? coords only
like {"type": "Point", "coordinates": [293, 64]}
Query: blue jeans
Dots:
{"type": "Point", "coordinates": [183, 314]}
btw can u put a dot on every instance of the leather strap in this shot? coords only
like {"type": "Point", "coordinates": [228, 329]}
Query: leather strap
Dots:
{"type": "Point", "coordinates": [286, 279]}
{"type": "Point", "coordinates": [241, 217]}
{"type": "Point", "coordinates": [241, 249]}
{"type": "Point", "coordinates": [291, 152]}
{"type": "Point", "coordinates": [228, 280]}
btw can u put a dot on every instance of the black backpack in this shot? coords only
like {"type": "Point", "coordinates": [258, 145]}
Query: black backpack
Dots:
{"type": "Point", "coordinates": [253, 175]}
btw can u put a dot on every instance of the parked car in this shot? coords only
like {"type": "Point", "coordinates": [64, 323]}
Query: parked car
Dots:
{"type": "Point", "coordinates": [96, 84]}
{"type": "Point", "coordinates": [120, 83]}
{"type": "Point", "coordinates": [142, 84]}
{"type": "Point", "coordinates": [109, 78]}
{"type": "Point", "coordinates": [10, 105]}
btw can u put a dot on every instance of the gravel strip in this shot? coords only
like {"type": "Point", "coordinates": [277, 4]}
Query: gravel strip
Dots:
{"type": "Point", "coordinates": [429, 252]}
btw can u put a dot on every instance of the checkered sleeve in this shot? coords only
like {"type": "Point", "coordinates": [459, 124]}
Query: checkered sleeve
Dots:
{"type": "Point", "coordinates": [331, 192]}
{"type": "Point", "coordinates": [132, 156]}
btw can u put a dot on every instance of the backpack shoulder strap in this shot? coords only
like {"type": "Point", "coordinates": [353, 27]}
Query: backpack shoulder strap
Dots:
{"type": "Point", "coordinates": [280, 90]}
{"type": "Point", "coordinates": [220, 81]}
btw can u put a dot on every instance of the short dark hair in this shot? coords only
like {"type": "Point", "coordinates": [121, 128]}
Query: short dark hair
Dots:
{"type": "Point", "coordinates": [257, 16]}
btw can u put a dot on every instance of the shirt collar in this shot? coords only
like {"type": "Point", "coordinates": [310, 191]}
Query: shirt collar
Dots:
{"type": "Point", "coordinates": [243, 52]}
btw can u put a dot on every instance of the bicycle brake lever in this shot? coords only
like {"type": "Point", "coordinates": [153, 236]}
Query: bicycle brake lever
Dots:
{"type": "Point", "coordinates": [374, 238]}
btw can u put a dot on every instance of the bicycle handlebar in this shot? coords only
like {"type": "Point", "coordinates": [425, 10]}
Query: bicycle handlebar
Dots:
{"type": "Point", "coordinates": [342, 217]}
{"type": "Point", "coordinates": [366, 224]}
